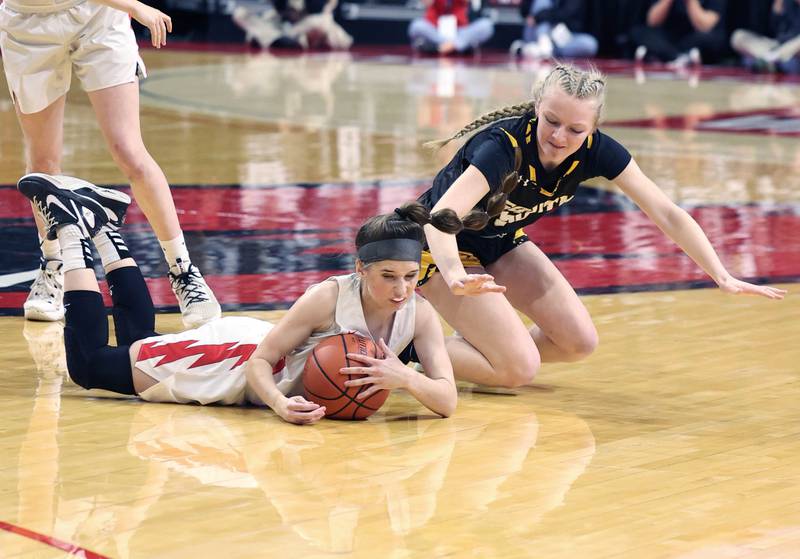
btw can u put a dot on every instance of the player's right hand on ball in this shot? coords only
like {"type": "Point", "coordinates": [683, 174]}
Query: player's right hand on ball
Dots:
{"type": "Point", "coordinates": [299, 411]}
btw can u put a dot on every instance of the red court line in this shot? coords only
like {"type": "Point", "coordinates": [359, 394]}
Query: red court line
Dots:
{"type": "Point", "coordinates": [72, 549]}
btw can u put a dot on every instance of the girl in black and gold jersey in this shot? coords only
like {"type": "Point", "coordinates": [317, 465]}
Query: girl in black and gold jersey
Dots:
{"type": "Point", "coordinates": [523, 162]}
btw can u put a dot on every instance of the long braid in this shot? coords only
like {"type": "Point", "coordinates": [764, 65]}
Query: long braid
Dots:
{"type": "Point", "coordinates": [480, 122]}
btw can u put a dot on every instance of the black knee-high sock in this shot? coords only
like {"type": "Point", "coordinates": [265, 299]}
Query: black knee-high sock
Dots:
{"type": "Point", "coordinates": [90, 361]}
{"type": "Point", "coordinates": [134, 315]}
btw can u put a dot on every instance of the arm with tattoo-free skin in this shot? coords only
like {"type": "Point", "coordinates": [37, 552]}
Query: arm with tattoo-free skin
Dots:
{"type": "Point", "coordinates": [313, 311]}
{"type": "Point", "coordinates": [436, 389]}
{"type": "Point", "coordinates": [702, 20]}
{"type": "Point", "coordinates": [461, 197]}
{"type": "Point", "coordinates": [657, 14]}
{"type": "Point", "coordinates": [155, 20]}
{"type": "Point", "coordinates": [684, 230]}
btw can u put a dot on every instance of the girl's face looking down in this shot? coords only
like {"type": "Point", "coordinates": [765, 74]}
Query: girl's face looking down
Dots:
{"type": "Point", "coordinates": [389, 283]}
{"type": "Point", "coordinates": [564, 123]}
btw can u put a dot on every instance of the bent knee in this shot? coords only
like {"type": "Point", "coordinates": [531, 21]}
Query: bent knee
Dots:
{"type": "Point", "coordinates": [519, 371]}
{"type": "Point", "coordinates": [133, 160]}
{"type": "Point", "coordinates": [583, 346]}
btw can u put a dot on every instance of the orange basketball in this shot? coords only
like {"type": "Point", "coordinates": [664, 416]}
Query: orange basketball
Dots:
{"type": "Point", "coordinates": [324, 384]}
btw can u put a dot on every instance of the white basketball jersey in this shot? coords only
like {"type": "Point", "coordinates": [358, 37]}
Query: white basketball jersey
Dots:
{"type": "Point", "coordinates": [349, 317]}
{"type": "Point", "coordinates": [204, 365]}
{"type": "Point", "coordinates": [207, 365]}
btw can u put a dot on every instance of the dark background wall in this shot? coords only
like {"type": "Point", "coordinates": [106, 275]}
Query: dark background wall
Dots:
{"type": "Point", "coordinates": [376, 22]}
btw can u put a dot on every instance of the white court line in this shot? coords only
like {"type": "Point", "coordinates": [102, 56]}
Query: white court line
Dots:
{"type": "Point", "coordinates": [7, 280]}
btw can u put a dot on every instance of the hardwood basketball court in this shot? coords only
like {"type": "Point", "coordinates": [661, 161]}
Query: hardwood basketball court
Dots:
{"type": "Point", "coordinates": [678, 438]}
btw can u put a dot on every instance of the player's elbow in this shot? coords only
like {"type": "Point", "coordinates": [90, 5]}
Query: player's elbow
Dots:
{"type": "Point", "coordinates": [450, 402]}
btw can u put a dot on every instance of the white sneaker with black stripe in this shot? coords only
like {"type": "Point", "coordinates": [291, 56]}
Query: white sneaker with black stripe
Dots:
{"type": "Point", "coordinates": [62, 200]}
{"type": "Point", "coordinates": [195, 299]}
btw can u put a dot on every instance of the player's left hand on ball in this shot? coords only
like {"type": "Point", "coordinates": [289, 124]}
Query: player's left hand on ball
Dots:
{"type": "Point", "coordinates": [156, 21]}
{"type": "Point", "coordinates": [384, 373]}
{"type": "Point", "coordinates": [739, 287]}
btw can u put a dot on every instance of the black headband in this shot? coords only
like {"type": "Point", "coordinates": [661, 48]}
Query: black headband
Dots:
{"type": "Point", "coordinates": [391, 249]}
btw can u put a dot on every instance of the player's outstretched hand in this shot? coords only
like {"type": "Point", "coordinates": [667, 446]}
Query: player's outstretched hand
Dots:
{"type": "Point", "coordinates": [156, 21]}
{"type": "Point", "coordinates": [475, 284]}
{"type": "Point", "coordinates": [384, 373]}
{"type": "Point", "coordinates": [739, 287]}
{"type": "Point", "coordinates": [300, 411]}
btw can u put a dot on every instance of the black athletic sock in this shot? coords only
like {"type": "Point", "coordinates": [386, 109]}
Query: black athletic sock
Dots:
{"type": "Point", "coordinates": [90, 361]}
{"type": "Point", "coordinates": [134, 314]}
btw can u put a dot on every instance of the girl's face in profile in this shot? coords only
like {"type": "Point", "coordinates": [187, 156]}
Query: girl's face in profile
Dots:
{"type": "Point", "coordinates": [389, 283]}
{"type": "Point", "coordinates": [564, 122]}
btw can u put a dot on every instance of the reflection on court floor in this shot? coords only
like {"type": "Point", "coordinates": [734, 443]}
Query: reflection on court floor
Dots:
{"type": "Point", "coordinates": [678, 438]}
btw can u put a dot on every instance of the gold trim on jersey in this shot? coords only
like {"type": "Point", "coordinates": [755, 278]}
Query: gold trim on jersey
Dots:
{"type": "Point", "coordinates": [558, 182]}
{"type": "Point", "coordinates": [427, 267]}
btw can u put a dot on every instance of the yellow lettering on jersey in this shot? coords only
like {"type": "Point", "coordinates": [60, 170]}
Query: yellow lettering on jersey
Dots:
{"type": "Point", "coordinates": [513, 213]}
{"type": "Point", "coordinates": [589, 141]}
{"type": "Point", "coordinates": [532, 172]}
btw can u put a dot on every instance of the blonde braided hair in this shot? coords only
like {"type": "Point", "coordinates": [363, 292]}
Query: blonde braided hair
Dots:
{"type": "Point", "coordinates": [500, 114]}
{"type": "Point", "coordinates": [581, 84]}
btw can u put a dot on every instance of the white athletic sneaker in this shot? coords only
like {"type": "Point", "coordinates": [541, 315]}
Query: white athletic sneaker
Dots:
{"type": "Point", "coordinates": [45, 301]}
{"type": "Point", "coordinates": [197, 303]}
{"type": "Point", "coordinates": [531, 51]}
{"type": "Point", "coordinates": [546, 46]}
{"type": "Point", "coordinates": [561, 35]}
{"type": "Point", "coordinates": [62, 200]}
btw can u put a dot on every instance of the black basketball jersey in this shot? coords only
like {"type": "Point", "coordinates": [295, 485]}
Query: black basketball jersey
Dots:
{"type": "Point", "coordinates": [539, 191]}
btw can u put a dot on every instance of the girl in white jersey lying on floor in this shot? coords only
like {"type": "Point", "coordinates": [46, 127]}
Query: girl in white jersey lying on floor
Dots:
{"type": "Point", "coordinates": [236, 360]}
{"type": "Point", "coordinates": [42, 41]}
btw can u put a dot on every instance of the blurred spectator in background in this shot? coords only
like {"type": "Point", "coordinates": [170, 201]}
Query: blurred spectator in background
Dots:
{"type": "Point", "coordinates": [781, 50]}
{"type": "Point", "coordinates": [682, 32]}
{"type": "Point", "coordinates": [554, 28]}
{"type": "Point", "coordinates": [447, 28]}
{"type": "Point", "coordinates": [299, 24]}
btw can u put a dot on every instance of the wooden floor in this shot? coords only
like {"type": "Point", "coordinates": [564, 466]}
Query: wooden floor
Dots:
{"type": "Point", "coordinates": [678, 438]}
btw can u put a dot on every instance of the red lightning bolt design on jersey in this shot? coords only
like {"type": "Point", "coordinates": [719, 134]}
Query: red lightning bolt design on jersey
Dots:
{"type": "Point", "coordinates": [208, 354]}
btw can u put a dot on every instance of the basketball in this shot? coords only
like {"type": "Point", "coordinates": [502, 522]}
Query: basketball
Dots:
{"type": "Point", "coordinates": [324, 385]}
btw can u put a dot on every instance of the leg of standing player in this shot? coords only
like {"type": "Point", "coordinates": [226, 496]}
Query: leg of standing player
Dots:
{"type": "Point", "coordinates": [43, 132]}
{"type": "Point", "coordinates": [117, 111]}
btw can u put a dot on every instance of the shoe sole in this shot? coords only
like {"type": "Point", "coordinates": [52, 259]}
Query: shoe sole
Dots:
{"type": "Point", "coordinates": [43, 316]}
{"type": "Point", "coordinates": [40, 184]}
{"type": "Point", "coordinates": [108, 193]}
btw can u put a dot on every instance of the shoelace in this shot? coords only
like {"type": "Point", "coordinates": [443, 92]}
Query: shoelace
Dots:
{"type": "Point", "coordinates": [188, 286]}
{"type": "Point", "coordinates": [46, 284]}
{"type": "Point", "coordinates": [44, 211]}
